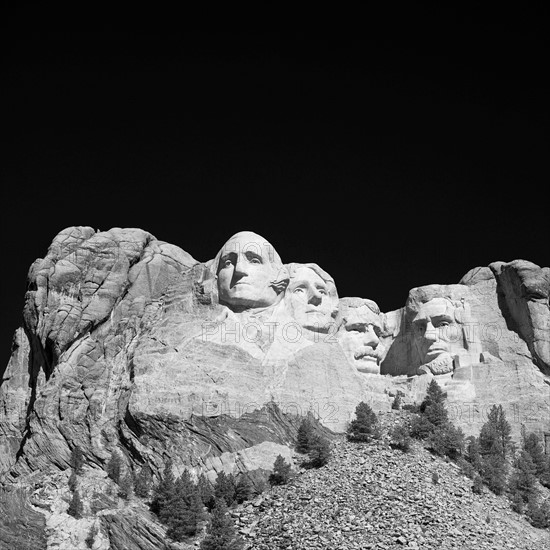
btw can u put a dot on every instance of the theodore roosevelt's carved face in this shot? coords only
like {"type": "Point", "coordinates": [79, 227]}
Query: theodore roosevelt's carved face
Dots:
{"type": "Point", "coordinates": [360, 338]}
{"type": "Point", "coordinates": [310, 298]}
{"type": "Point", "coordinates": [248, 269]}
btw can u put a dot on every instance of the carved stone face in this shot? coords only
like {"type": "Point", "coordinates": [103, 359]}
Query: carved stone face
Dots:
{"type": "Point", "coordinates": [437, 337]}
{"type": "Point", "coordinates": [360, 339]}
{"type": "Point", "coordinates": [247, 268]}
{"type": "Point", "coordinates": [310, 299]}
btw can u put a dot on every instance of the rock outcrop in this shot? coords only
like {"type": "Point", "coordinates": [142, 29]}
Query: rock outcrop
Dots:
{"type": "Point", "coordinates": [130, 345]}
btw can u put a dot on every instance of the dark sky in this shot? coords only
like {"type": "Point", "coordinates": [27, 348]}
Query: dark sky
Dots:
{"type": "Point", "coordinates": [392, 160]}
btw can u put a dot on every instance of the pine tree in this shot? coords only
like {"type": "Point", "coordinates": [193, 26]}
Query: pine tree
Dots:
{"type": "Point", "coordinates": [220, 534]}
{"type": "Point", "coordinates": [365, 426]}
{"type": "Point", "coordinates": [434, 396]}
{"type": "Point", "coordinates": [76, 507]}
{"type": "Point", "coordinates": [400, 438]}
{"type": "Point", "coordinates": [494, 472]}
{"type": "Point", "coordinates": [532, 445]}
{"type": "Point", "coordinates": [183, 511]}
{"type": "Point", "coordinates": [143, 482]}
{"type": "Point", "coordinates": [523, 479]}
{"type": "Point", "coordinates": [206, 491]}
{"type": "Point", "coordinates": [244, 489]}
{"type": "Point", "coordinates": [225, 488]}
{"type": "Point", "coordinates": [538, 512]}
{"type": "Point", "coordinates": [447, 440]}
{"type": "Point", "coordinates": [164, 491]}
{"type": "Point", "coordinates": [305, 433]}
{"type": "Point", "coordinates": [114, 467]}
{"type": "Point", "coordinates": [281, 472]}
{"type": "Point", "coordinates": [494, 437]}
{"type": "Point", "coordinates": [77, 460]}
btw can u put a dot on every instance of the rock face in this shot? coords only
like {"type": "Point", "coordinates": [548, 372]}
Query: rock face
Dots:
{"type": "Point", "coordinates": [131, 345]}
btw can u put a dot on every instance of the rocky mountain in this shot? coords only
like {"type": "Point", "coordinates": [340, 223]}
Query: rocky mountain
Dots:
{"type": "Point", "coordinates": [131, 346]}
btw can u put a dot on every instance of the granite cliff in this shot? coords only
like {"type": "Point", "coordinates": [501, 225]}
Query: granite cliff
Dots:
{"type": "Point", "coordinates": [131, 345]}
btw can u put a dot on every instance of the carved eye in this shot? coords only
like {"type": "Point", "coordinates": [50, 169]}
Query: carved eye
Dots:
{"type": "Point", "coordinates": [227, 263]}
{"type": "Point", "coordinates": [322, 291]}
{"type": "Point", "coordinates": [443, 324]}
{"type": "Point", "coordinates": [299, 289]}
{"type": "Point", "coordinates": [255, 260]}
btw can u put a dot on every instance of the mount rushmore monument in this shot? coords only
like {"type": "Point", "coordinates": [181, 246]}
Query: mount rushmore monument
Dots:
{"type": "Point", "coordinates": [131, 345]}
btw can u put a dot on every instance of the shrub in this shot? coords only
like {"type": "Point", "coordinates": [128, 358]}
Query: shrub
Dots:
{"type": "Point", "coordinates": [397, 402]}
{"type": "Point", "coordinates": [400, 437]}
{"type": "Point", "coordinates": [77, 460]}
{"type": "Point", "coordinates": [538, 512]}
{"type": "Point", "coordinates": [477, 487]}
{"type": "Point", "coordinates": [244, 490]}
{"type": "Point", "coordinates": [114, 467]}
{"type": "Point", "coordinates": [92, 533]}
{"type": "Point", "coordinates": [421, 427]}
{"type": "Point", "coordinates": [126, 486]}
{"type": "Point", "coordinates": [220, 533]}
{"type": "Point", "coordinates": [365, 426]}
{"type": "Point", "coordinates": [281, 472]}
{"type": "Point", "coordinates": [467, 469]}
{"type": "Point", "coordinates": [75, 506]}
{"type": "Point", "coordinates": [319, 452]}
{"type": "Point", "coordinates": [305, 434]}
{"type": "Point", "coordinates": [447, 440]}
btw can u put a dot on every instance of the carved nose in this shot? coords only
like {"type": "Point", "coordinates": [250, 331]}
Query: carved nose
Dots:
{"type": "Point", "coordinates": [240, 269]}
{"type": "Point", "coordinates": [315, 297]}
{"type": "Point", "coordinates": [371, 339]}
{"type": "Point", "coordinates": [431, 332]}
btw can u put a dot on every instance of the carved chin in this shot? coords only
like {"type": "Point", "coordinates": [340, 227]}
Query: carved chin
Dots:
{"type": "Point", "coordinates": [442, 364]}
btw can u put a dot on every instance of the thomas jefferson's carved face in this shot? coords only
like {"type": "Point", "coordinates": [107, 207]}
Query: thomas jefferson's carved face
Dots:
{"type": "Point", "coordinates": [309, 300]}
{"type": "Point", "coordinates": [436, 332]}
{"type": "Point", "coordinates": [360, 339]}
{"type": "Point", "coordinates": [247, 266]}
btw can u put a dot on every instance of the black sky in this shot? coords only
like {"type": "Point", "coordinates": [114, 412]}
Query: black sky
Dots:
{"type": "Point", "coordinates": [392, 160]}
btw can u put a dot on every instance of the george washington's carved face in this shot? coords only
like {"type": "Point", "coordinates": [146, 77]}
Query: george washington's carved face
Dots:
{"type": "Point", "coordinates": [247, 267]}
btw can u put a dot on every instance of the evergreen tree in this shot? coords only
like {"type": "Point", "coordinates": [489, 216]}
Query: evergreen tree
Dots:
{"type": "Point", "coordinates": [183, 511]}
{"type": "Point", "coordinates": [523, 479]}
{"type": "Point", "coordinates": [421, 427]}
{"type": "Point", "coordinates": [77, 460]}
{"type": "Point", "coordinates": [143, 482]}
{"type": "Point", "coordinates": [225, 487]}
{"type": "Point", "coordinates": [164, 491]}
{"type": "Point", "coordinates": [244, 489]}
{"type": "Point", "coordinates": [319, 452]}
{"type": "Point", "coordinates": [72, 481]}
{"type": "Point", "coordinates": [532, 445]}
{"type": "Point", "coordinates": [206, 491]}
{"type": "Point", "coordinates": [474, 456]}
{"type": "Point", "coordinates": [305, 434]}
{"type": "Point", "coordinates": [75, 506]}
{"type": "Point", "coordinates": [434, 396]}
{"type": "Point", "coordinates": [494, 472]}
{"type": "Point", "coordinates": [114, 467]}
{"type": "Point", "coordinates": [281, 472]}
{"type": "Point", "coordinates": [494, 437]}
{"type": "Point", "coordinates": [220, 534]}
{"type": "Point", "coordinates": [365, 426]}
